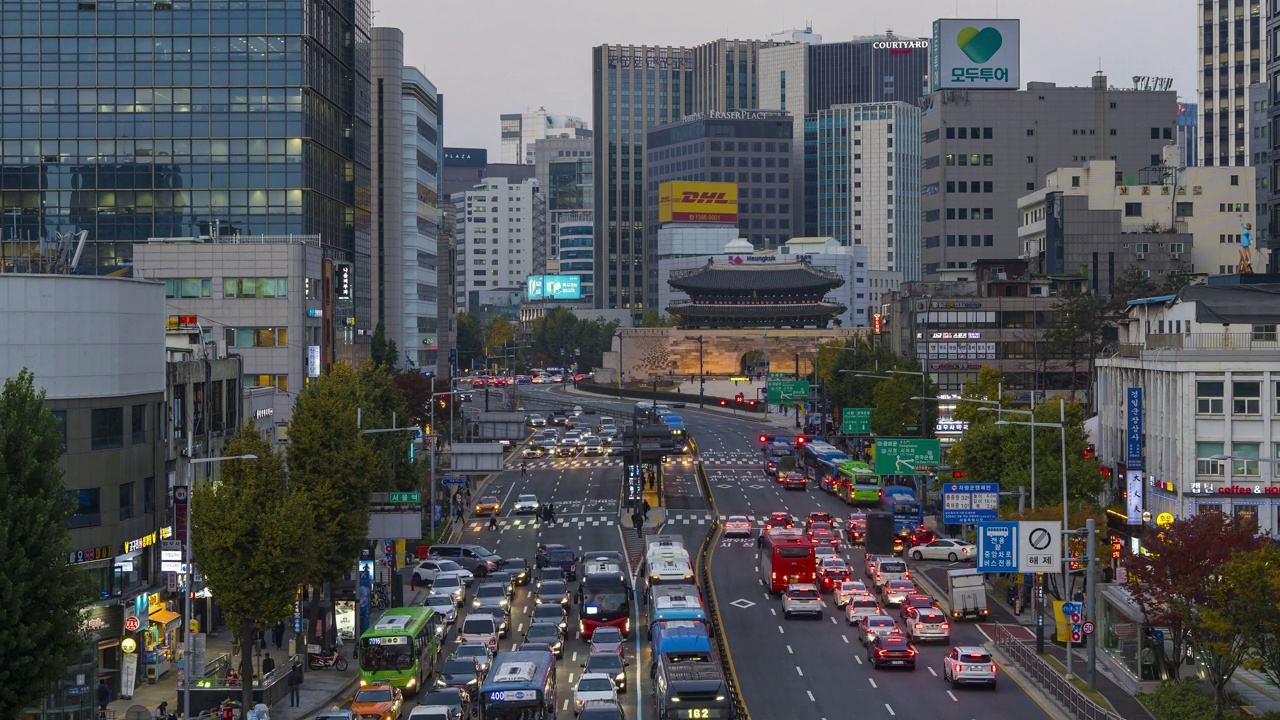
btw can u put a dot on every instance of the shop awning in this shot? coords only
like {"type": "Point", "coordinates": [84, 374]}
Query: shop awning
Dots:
{"type": "Point", "coordinates": [164, 617]}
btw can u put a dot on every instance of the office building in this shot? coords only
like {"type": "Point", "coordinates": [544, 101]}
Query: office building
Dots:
{"type": "Point", "coordinates": [1232, 46]}
{"type": "Point", "coordinates": [406, 172]}
{"type": "Point", "coordinates": [496, 229]}
{"type": "Point", "coordinates": [869, 185]}
{"type": "Point", "coordinates": [446, 275]}
{"type": "Point", "coordinates": [521, 130]}
{"type": "Point", "coordinates": [464, 168]}
{"type": "Point", "coordinates": [566, 174]}
{"type": "Point", "coordinates": [575, 249]}
{"type": "Point", "coordinates": [1186, 133]}
{"type": "Point", "coordinates": [192, 123]}
{"type": "Point", "coordinates": [634, 88]}
{"type": "Point", "coordinates": [726, 75]}
{"type": "Point", "coordinates": [1260, 160]}
{"type": "Point", "coordinates": [1272, 174]}
{"type": "Point", "coordinates": [804, 37]}
{"type": "Point", "coordinates": [983, 149]}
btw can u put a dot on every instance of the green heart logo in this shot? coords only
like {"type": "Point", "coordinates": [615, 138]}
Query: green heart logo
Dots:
{"type": "Point", "coordinates": [979, 45]}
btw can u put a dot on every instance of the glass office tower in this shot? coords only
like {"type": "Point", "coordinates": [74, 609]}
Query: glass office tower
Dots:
{"type": "Point", "coordinates": [184, 118]}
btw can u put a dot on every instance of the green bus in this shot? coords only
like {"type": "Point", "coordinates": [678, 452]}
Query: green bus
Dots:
{"type": "Point", "coordinates": [865, 483]}
{"type": "Point", "coordinates": [401, 648]}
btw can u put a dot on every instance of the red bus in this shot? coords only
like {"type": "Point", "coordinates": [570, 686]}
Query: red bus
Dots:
{"type": "Point", "coordinates": [786, 557]}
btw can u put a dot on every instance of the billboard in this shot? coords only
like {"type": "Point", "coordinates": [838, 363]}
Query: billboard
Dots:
{"type": "Point", "coordinates": [683, 201]}
{"type": "Point", "coordinates": [553, 287]}
{"type": "Point", "coordinates": [975, 54]}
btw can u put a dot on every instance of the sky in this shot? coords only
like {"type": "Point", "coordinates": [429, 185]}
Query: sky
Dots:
{"type": "Point", "coordinates": [490, 57]}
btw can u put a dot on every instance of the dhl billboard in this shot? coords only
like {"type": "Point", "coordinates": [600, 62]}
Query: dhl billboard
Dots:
{"type": "Point", "coordinates": [709, 202]}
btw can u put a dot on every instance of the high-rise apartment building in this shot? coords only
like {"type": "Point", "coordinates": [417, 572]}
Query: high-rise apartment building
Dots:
{"type": "Point", "coordinates": [726, 75]}
{"type": "Point", "coordinates": [1260, 158]}
{"type": "Point", "coordinates": [566, 173]}
{"type": "Point", "coordinates": [1232, 50]}
{"type": "Point", "coordinates": [521, 130]}
{"type": "Point", "coordinates": [498, 226]}
{"type": "Point", "coordinates": [405, 140]}
{"type": "Point", "coordinates": [184, 121]}
{"type": "Point", "coordinates": [983, 149]}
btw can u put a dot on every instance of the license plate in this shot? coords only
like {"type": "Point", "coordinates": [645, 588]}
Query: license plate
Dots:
{"type": "Point", "coordinates": [897, 662]}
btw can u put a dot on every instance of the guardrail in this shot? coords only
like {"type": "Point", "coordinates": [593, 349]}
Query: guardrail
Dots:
{"type": "Point", "coordinates": [1052, 682]}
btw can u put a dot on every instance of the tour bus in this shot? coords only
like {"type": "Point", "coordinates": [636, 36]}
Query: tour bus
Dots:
{"type": "Point", "coordinates": [786, 556]}
{"type": "Point", "coordinates": [606, 599]}
{"type": "Point", "coordinates": [865, 483]}
{"type": "Point", "coordinates": [521, 685]}
{"type": "Point", "coordinates": [401, 648]}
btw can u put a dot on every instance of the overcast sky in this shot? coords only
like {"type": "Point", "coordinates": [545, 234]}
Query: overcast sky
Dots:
{"type": "Point", "coordinates": [498, 56]}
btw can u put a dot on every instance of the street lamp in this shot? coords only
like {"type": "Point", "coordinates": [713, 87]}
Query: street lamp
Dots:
{"type": "Point", "coordinates": [1062, 426]}
{"type": "Point", "coordinates": [191, 569]}
{"type": "Point", "coordinates": [431, 436]}
{"type": "Point", "coordinates": [922, 399]}
{"type": "Point", "coordinates": [621, 379]}
{"type": "Point", "coordinates": [999, 412]}
{"type": "Point", "coordinates": [702, 377]}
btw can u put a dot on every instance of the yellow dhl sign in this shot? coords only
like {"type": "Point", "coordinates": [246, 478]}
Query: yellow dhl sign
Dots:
{"type": "Point", "coordinates": [684, 201]}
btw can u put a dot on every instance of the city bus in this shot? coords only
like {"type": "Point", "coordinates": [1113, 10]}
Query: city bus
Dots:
{"type": "Point", "coordinates": [521, 686]}
{"type": "Point", "coordinates": [786, 556]}
{"type": "Point", "coordinates": [908, 513]}
{"type": "Point", "coordinates": [401, 648]}
{"type": "Point", "coordinates": [821, 461]}
{"type": "Point", "coordinates": [865, 483]}
{"type": "Point", "coordinates": [606, 599]}
{"type": "Point", "coordinates": [779, 457]}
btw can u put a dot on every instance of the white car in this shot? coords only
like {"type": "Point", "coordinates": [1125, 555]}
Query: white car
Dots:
{"type": "Point", "coordinates": [848, 590]}
{"type": "Point", "coordinates": [447, 583]}
{"type": "Point", "coordinates": [969, 665]}
{"type": "Point", "coordinates": [444, 605]}
{"type": "Point", "coordinates": [944, 549]}
{"type": "Point", "coordinates": [593, 686]}
{"type": "Point", "coordinates": [825, 551]}
{"type": "Point", "coordinates": [526, 504]}
{"type": "Point", "coordinates": [737, 526]}
{"type": "Point", "coordinates": [592, 447]}
{"type": "Point", "coordinates": [802, 599]}
{"type": "Point", "coordinates": [536, 420]}
{"type": "Point", "coordinates": [427, 570]}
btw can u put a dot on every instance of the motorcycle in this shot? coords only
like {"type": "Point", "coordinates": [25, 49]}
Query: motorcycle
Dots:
{"type": "Point", "coordinates": [333, 659]}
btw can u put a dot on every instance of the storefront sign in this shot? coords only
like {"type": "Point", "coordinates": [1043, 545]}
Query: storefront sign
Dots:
{"type": "Point", "coordinates": [955, 366]}
{"type": "Point", "coordinates": [154, 603]}
{"type": "Point", "coordinates": [1133, 429]}
{"type": "Point", "coordinates": [90, 555]}
{"type": "Point", "coordinates": [1161, 485]}
{"type": "Point", "coordinates": [262, 413]}
{"type": "Point", "coordinates": [957, 336]}
{"type": "Point", "coordinates": [1211, 489]}
{"type": "Point", "coordinates": [1165, 520]}
{"type": "Point", "coordinates": [954, 305]}
{"type": "Point", "coordinates": [313, 361]}
{"type": "Point", "coordinates": [104, 621]}
{"type": "Point", "coordinates": [145, 541]}
{"type": "Point", "coordinates": [1133, 497]}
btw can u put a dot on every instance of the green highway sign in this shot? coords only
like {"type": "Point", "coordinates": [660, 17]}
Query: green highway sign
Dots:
{"type": "Point", "coordinates": [855, 421]}
{"type": "Point", "coordinates": [907, 456]}
{"type": "Point", "coordinates": [779, 375]}
{"type": "Point", "coordinates": [780, 391]}
{"type": "Point", "coordinates": [404, 498]}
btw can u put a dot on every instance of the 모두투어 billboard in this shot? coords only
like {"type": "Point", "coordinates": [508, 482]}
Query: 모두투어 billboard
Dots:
{"type": "Point", "coordinates": [975, 54]}
{"type": "Point", "coordinates": [709, 202]}
{"type": "Point", "coordinates": [553, 287]}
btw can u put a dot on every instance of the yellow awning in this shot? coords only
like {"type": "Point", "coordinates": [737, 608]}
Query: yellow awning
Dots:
{"type": "Point", "coordinates": [164, 617]}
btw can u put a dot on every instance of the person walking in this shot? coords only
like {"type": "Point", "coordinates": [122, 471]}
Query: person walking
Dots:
{"type": "Point", "coordinates": [295, 686]}
{"type": "Point", "coordinates": [645, 508]}
{"type": "Point", "coordinates": [268, 665]}
{"type": "Point", "coordinates": [493, 522]}
{"type": "Point", "coordinates": [551, 512]}
{"type": "Point", "coordinates": [524, 468]}
{"type": "Point", "coordinates": [104, 696]}
{"type": "Point", "coordinates": [277, 635]}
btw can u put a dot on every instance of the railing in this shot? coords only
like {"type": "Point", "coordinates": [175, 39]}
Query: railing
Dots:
{"type": "Point", "coordinates": [1130, 350]}
{"type": "Point", "coordinates": [1264, 340]}
{"type": "Point", "coordinates": [1077, 704]}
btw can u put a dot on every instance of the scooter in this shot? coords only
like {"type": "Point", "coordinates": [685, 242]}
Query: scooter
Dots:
{"type": "Point", "coordinates": [334, 659]}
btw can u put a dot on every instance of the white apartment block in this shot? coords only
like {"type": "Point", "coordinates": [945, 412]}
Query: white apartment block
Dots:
{"type": "Point", "coordinates": [495, 236]}
{"type": "Point", "coordinates": [521, 130]}
{"type": "Point", "coordinates": [1233, 56]}
{"type": "Point", "coordinates": [1208, 363]}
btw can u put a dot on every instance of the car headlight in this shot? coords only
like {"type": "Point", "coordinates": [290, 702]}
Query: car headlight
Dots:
{"type": "Point", "coordinates": [620, 677]}
{"type": "Point", "coordinates": [440, 681]}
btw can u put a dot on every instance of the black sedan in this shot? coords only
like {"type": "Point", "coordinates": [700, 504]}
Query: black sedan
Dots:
{"type": "Point", "coordinates": [552, 591]}
{"type": "Point", "coordinates": [518, 568]}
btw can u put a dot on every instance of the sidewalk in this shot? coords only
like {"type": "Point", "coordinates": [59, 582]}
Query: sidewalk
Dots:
{"type": "Point", "coordinates": [1256, 691]}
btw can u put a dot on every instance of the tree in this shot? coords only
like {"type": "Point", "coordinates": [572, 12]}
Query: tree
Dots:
{"type": "Point", "coordinates": [1131, 284]}
{"type": "Point", "coordinates": [41, 592]}
{"type": "Point", "coordinates": [1177, 278]}
{"type": "Point", "coordinates": [654, 319]}
{"type": "Point", "coordinates": [982, 453]}
{"type": "Point", "coordinates": [893, 412]}
{"type": "Point", "coordinates": [1077, 332]}
{"type": "Point", "coordinates": [1248, 599]}
{"type": "Point", "coordinates": [249, 533]}
{"type": "Point", "coordinates": [1176, 574]}
{"type": "Point", "coordinates": [1084, 478]}
{"type": "Point", "coordinates": [382, 351]}
{"type": "Point", "coordinates": [380, 403]}
{"type": "Point", "coordinates": [984, 387]}
{"type": "Point", "coordinates": [1223, 633]}
{"type": "Point", "coordinates": [497, 333]}
{"type": "Point", "coordinates": [470, 341]}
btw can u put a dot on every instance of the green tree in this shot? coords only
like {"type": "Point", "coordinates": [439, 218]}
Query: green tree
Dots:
{"type": "Point", "coordinates": [984, 387]}
{"type": "Point", "coordinates": [1177, 278]}
{"type": "Point", "coordinates": [41, 592]}
{"type": "Point", "coordinates": [893, 412]}
{"type": "Point", "coordinates": [331, 466]}
{"type": "Point", "coordinates": [470, 341]}
{"type": "Point", "coordinates": [382, 351]}
{"type": "Point", "coordinates": [1077, 333]}
{"type": "Point", "coordinates": [553, 335]}
{"type": "Point", "coordinates": [1219, 632]}
{"type": "Point", "coordinates": [249, 532]}
{"type": "Point", "coordinates": [982, 453]}
{"type": "Point", "coordinates": [380, 404]}
{"type": "Point", "coordinates": [1248, 598]}
{"type": "Point", "coordinates": [654, 319]}
{"type": "Point", "coordinates": [838, 363]}
{"type": "Point", "coordinates": [1131, 284]}
{"type": "Point", "coordinates": [1084, 479]}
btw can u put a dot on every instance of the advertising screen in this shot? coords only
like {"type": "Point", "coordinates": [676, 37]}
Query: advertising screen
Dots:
{"type": "Point", "coordinates": [975, 54]}
{"type": "Point", "coordinates": [553, 287]}
{"type": "Point", "coordinates": [682, 201]}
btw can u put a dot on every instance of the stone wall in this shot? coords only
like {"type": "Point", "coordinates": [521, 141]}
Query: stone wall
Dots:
{"type": "Point", "coordinates": [658, 352]}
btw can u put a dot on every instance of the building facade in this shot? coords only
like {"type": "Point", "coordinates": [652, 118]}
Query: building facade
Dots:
{"type": "Point", "coordinates": [446, 309]}
{"type": "Point", "coordinates": [495, 233]}
{"type": "Point", "coordinates": [1260, 160]}
{"type": "Point", "coordinates": [1186, 133]}
{"type": "Point", "coordinates": [868, 161]}
{"type": "Point", "coordinates": [1233, 48]}
{"type": "Point", "coordinates": [566, 174]}
{"type": "Point", "coordinates": [726, 75]}
{"type": "Point", "coordinates": [190, 123]}
{"type": "Point", "coordinates": [804, 36]}
{"type": "Point", "coordinates": [406, 170]}
{"type": "Point", "coordinates": [464, 168]}
{"type": "Point", "coordinates": [983, 149]}
{"type": "Point", "coordinates": [574, 252]}
{"type": "Point", "coordinates": [1272, 14]}
{"type": "Point", "coordinates": [521, 130]}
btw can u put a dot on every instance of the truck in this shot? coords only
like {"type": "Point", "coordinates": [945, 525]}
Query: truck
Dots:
{"type": "Point", "coordinates": [967, 593]}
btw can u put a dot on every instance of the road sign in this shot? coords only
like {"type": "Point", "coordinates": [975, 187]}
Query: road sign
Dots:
{"type": "Point", "coordinates": [779, 375]}
{"type": "Point", "coordinates": [454, 481]}
{"type": "Point", "coordinates": [997, 547]}
{"type": "Point", "coordinates": [1088, 628]}
{"type": "Point", "coordinates": [907, 456]}
{"type": "Point", "coordinates": [1039, 546]}
{"type": "Point", "coordinates": [397, 498]}
{"type": "Point", "coordinates": [131, 623]}
{"type": "Point", "coordinates": [855, 421]}
{"type": "Point", "coordinates": [970, 503]}
{"type": "Point", "coordinates": [780, 391]}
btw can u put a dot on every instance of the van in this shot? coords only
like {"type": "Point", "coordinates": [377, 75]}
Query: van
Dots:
{"type": "Point", "coordinates": [482, 629]}
{"type": "Point", "coordinates": [889, 568]}
{"type": "Point", "coordinates": [478, 559]}
{"type": "Point", "coordinates": [676, 607]}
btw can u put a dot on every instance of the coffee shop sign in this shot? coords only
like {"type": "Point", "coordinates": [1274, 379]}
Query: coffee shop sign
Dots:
{"type": "Point", "coordinates": [1211, 489]}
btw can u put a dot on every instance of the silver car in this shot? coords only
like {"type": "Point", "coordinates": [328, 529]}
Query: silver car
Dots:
{"type": "Point", "coordinates": [969, 665]}
{"type": "Point", "coordinates": [927, 624]}
{"type": "Point", "coordinates": [443, 604]}
{"type": "Point", "coordinates": [802, 599]}
{"type": "Point", "coordinates": [450, 584]}
{"type": "Point", "coordinates": [873, 626]}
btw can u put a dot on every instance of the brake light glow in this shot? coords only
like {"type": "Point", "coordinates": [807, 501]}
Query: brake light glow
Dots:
{"type": "Point", "coordinates": [993, 667]}
{"type": "Point", "coordinates": [911, 652]}
{"type": "Point", "coordinates": [880, 653]}
{"type": "Point", "coordinates": [919, 626]}
{"type": "Point", "coordinates": [946, 626]}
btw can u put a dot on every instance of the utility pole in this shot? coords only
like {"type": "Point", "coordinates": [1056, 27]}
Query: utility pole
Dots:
{"type": "Point", "coordinates": [702, 375]}
{"type": "Point", "coordinates": [1091, 601]}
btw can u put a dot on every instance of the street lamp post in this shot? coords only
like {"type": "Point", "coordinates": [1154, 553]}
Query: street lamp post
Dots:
{"type": "Point", "coordinates": [431, 437]}
{"type": "Point", "coordinates": [924, 390]}
{"type": "Point", "coordinates": [621, 378]}
{"type": "Point", "coordinates": [702, 377]}
{"type": "Point", "coordinates": [1033, 424]}
{"type": "Point", "coordinates": [191, 568]}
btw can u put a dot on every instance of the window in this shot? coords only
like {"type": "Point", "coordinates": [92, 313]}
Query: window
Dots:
{"type": "Point", "coordinates": [1246, 397]}
{"type": "Point", "coordinates": [1075, 181]}
{"type": "Point", "coordinates": [1209, 397]}
{"type": "Point", "coordinates": [1235, 179]}
{"type": "Point", "coordinates": [1133, 209]}
{"type": "Point", "coordinates": [1264, 333]}
{"type": "Point", "coordinates": [149, 496]}
{"type": "Point", "coordinates": [138, 424]}
{"type": "Point", "coordinates": [281, 382]}
{"type": "Point", "coordinates": [61, 416]}
{"type": "Point", "coordinates": [1185, 209]}
{"type": "Point", "coordinates": [107, 428]}
{"type": "Point", "coordinates": [1205, 464]}
{"type": "Point", "coordinates": [257, 337]}
{"type": "Point", "coordinates": [126, 501]}
{"type": "Point", "coordinates": [87, 507]}
{"type": "Point", "coordinates": [188, 287]}
{"type": "Point", "coordinates": [255, 287]}
{"type": "Point", "coordinates": [1248, 466]}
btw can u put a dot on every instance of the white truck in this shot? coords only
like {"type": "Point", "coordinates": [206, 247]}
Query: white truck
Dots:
{"type": "Point", "coordinates": [967, 593]}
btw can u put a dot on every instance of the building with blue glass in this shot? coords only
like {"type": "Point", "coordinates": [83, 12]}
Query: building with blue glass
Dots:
{"type": "Point", "coordinates": [200, 119]}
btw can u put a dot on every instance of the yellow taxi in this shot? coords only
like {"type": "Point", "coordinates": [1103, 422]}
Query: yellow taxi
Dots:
{"type": "Point", "coordinates": [378, 702]}
{"type": "Point", "coordinates": [488, 505]}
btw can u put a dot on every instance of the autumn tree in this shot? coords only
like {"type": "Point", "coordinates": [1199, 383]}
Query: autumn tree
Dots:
{"type": "Point", "coordinates": [497, 333]}
{"type": "Point", "coordinates": [248, 532]}
{"type": "Point", "coordinates": [41, 592]}
{"type": "Point", "coordinates": [380, 405]}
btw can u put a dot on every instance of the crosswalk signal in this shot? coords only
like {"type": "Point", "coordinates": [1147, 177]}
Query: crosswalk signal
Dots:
{"type": "Point", "coordinates": [738, 398]}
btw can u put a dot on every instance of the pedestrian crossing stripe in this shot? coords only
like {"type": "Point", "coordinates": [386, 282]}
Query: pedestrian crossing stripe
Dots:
{"type": "Point", "coordinates": [568, 462]}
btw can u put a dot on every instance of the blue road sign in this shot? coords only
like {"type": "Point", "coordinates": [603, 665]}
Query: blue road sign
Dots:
{"type": "Point", "coordinates": [998, 547]}
{"type": "Point", "coordinates": [454, 481]}
{"type": "Point", "coordinates": [970, 503]}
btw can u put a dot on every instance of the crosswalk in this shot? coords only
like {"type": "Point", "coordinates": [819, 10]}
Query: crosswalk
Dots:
{"type": "Point", "coordinates": [712, 458]}
{"type": "Point", "coordinates": [759, 520]}
{"type": "Point", "coordinates": [526, 522]}
{"type": "Point", "coordinates": [566, 463]}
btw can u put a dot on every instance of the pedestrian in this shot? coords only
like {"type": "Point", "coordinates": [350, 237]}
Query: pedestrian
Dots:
{"type": "Point", "coordinates": [268, 665]}
{"type": "Point", "coordinates": [493, 522]}
{"type": "Point", "coordinates": [277, 634]}
{"type": "Point", "coordinates": [262, 640]}
{"type": "Point", "coordinates": [760, 540]}
{"type": "Point", "coordinates": [104, 695]}
{"type": "Point", "coordinates": [645, 508]}
{"type": "Point", "coordinates": [162, 710]}
{"type": "Point", "coordinates": [295, 685]}
{"type": "Point", "coordinates": [551, 512]}
{"type": "Point", "coordinates": [459, 513]}
{"type": "Point", "coordinates": [524, 468]}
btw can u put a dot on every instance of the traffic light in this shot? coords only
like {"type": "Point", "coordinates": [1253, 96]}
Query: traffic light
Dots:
{"type": "Point", "coordinates": [738, 398]}
{"type": "Point", "coordinates": [751, 403]}
{"type": "Point", "coordinates": [801, 440]}
{"type": "Point", "coordinates": [765, 438]}
{"type": "Point", "coordinates": [959, 474]}
{"type": "Point", "coordinates": [724, 403]}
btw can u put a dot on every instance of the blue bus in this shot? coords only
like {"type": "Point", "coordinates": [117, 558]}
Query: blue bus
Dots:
{"type": "Point", "coordinates": [820, 461]}
{"type": "Point", "coordinates": [908, 513]}
{"type": "Point", "coordinates": [520, 686]}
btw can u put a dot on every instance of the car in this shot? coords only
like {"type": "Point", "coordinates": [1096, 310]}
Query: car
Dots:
{"type": "Point", "coordinates": [857, 525]}
{"type": "Point", "coordinates": [891, 651]}
{"type": "Point", "coordinates": [568, 447]}
{"type": "Point", "coordinates": [847, 590]}
{"type": "Point", "coordinates": [429, 712]}
{"type": "Point", "coordinates": [459, 672]}
{"type": "Point", "coordinates": [548, 633]}
{"type": "Point", "coordinates": [819, 517]}
{"type": "Point", "coordinates": [452, 698]}
{"type": "Point", "coordinates": [871, 627]}
{"type": "Point", "coordinates": [602, 710]}
{"type": "Point", "coordinates": [944, 549]}
{"type": "Point", "coordinates": [793, 481]}
{"type": "Point", "coordinates": [490, 593]}
{"type": "Point", "coordinates": [378, 700]}
{"type": "Point", "coordinates": [801, 599]}
{"type": "Point", "coordinates": [608, 436]}
{"type": "Point", "coordinates": [824, 535]}
{"type": "Point", "coordinates": [518, 568]}
{"type": "Point", "coordinates": [969, 665]}
{"type": "Point", "coordinates": [607, 639]}
{"type": "Point", "coordinates": [526, 504]}
{"type": "Point", "coordinates": [488, 505]}
{"type": "Point", "coordinates": [917, 600]}
{"type": "Point", "coordinates": [895, 592]}
{"type": "Point", "coordinates": [478, 652]}
{"type": "Point", "coordinates": [822, 552]}
{"type": "Point", "coordinates": [498, 613]}
{"type": "Point", "coordinates": [889, 568]}
{"type": "Point", "coordinates": [505, 579]}
{"type": "Point", "coordinates": [450, 584]}
{"type": "Point", "coordinates": [921, 535]}
{"type": "Point", "coordinates": [926, 624]}
{"type": "Point", "coordinates": [860, 607]}
{"type": "Point", "coordinates": [869, 564]}
{"type": "Point", "coordinates": [532, 451]}
{"type": "Point", "coordinates": [552, 592]}
{"type": "Point", "coordinates": [443, 604]}
{"type": "Point", "coordinates": [779, 520]}
{"type": "Point", "coordinates": [608, 556]}
{"type": "Point", "coordinates": [537, 420]}
{"type": "Point", "coordinates": [426, 571]}
{"type": "Point", "coordinates": [737, 526]}
{"type": "Point", "coordinates": [586, 437]}
{"type": "Point", "coordinates": [550, 613]}
{"type": "Point", "coordinates": [535, 647]}
{"type": "Point", "coordinates": [606, 422]}
{"type": "Point", "coordinates": [559, 418]}
{"type": "Point", "coordinates": [593, 447]}
{"type": "Point", "coordinates": [593, 686]}
{"type": "Point", "coordinates": [475, 558]}
{"type": "Point", "coordinates": [560, 556]}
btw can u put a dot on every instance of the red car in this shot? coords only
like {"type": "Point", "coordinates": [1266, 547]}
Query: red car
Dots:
{"type": "Point", "coordinates": [779, 520]}
{"type": "Point", "coordinates": [922, 536]}
{"type": "Point", "coordinates": [832, 578]}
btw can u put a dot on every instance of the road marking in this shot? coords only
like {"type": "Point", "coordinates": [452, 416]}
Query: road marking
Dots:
{"type": "Point", "coordinates": [565, 706]}
{"type": "Point", "coordinates": [789, 650]}
{"type": "Point", "coordinates": [799, 671]}
{"type": "Point", "coordinates": [890, 709]}
{"type": "Point", "coordinates": [781, 631]}
{"type": "Point", "coordinates": [859, 659]}
{"type": "Point", "coordinates": [845, 638]}
{"type": "Point", "coordinates": [774, 611]}
{"type": "Point", "coordinates": [833, 621]}
{"type": "Point", "coordinates": [520, 628]}
{"type": "Point", "coordinates": [811, 697]}
{"type": "Point", "coordinates": [953, 696]}
{"type": "Point", "coordinates": [870, 680]}
{"type": "Point", "coordinates": [931, 672]}
{"type": "Point", "coordinates": [575, 656]}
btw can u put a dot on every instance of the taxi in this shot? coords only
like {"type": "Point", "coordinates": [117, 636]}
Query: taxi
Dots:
{"type": "Point", "coordinates": [847, 590]}
{"type": "Point", "coordinates": [780, 520]}
{"type": "Point", "coordinates": [488, 505]}
{"type": "Point", "coordinates": [378, 702]}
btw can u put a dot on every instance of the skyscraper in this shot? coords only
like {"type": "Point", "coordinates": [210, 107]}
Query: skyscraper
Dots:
{"type": "Point", "coordinates": [521, 130]}
{"type": "Point", "coordinates": [566, 175]}
{"type": "Point", "coordinates": [726, 75]}
{"type": "Point", "coordinates": [189, 120]}
{"type": "Point", "coordinates": [1232, 48]}
{"type": "Point", "coordinates": [497, 228]}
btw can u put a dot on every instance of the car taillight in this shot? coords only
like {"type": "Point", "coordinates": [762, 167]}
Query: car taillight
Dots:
{"type": "Point", "coordinates": [919, 626]}
{"type": "Point", "coordinates": [895, 631]}
{"type": "Point", "coordinates": [880, 653]}
{"type": "Point", "coordinates": [907, 574]}
{"type": "Point", "coordinates": [775, 575]}
{"type": "Point", "coordinates": [911, 652]}
{"type": "Point", "coordinates": [964, 551]}
{"type": "Point", "coordinates": [946, 626]}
